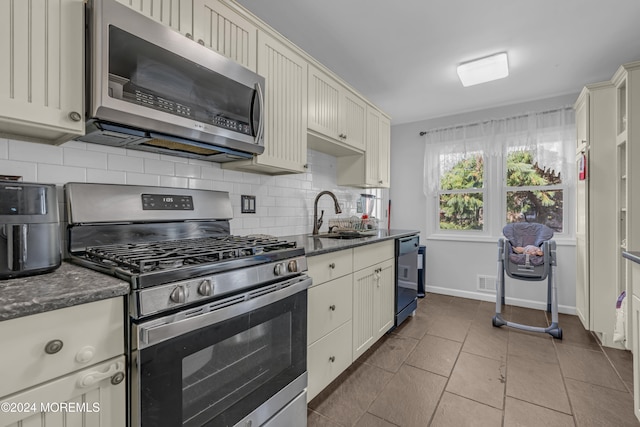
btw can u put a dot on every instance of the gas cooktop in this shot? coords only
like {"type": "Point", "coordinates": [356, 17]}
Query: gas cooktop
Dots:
{"type": "Point", "coordinates": [140, 258]}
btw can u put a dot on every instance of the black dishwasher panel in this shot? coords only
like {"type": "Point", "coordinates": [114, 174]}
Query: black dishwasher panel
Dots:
{"type": "Point", "coordinates": [406, 275]}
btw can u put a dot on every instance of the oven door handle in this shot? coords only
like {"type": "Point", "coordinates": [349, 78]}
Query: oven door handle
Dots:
{"type": "Point", "coordinates": [157, 331]}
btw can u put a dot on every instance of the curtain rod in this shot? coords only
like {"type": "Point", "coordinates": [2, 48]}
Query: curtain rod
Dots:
{"type": "Point", "coordinates": [423, 133]}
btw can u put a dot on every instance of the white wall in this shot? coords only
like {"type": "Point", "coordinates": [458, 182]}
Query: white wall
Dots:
{"type": "Point", "coordinates": [284, 204]}
{"type": "Point", "coordinates": [453, 266]}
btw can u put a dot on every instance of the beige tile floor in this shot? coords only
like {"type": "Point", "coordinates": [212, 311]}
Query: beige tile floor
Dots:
{"type": "Point", "coordinates": [448, 366]}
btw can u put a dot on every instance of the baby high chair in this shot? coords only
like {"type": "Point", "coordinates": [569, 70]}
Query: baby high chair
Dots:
{"type": "Point", "coordinates": [528, 253]}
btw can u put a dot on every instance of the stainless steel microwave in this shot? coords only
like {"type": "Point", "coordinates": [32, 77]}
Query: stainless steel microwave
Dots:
{"type": "Point", "coordinates": [150, 88]}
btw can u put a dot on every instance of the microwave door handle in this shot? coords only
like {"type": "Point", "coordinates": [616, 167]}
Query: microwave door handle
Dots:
{"type": "Point", "coordinates": [261, 119]}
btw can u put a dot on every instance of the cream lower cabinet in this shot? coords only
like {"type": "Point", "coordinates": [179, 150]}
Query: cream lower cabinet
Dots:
{"type": "Point", "coordinates": [329, 326]}
{"type": "Point", "coordinates": [87, 398]}
{"type": "Point", "coordinates": [372, 305]}
{"type": "Point", "coordinates": [41, 73]}
{"type": "Point", "coordinates": [373, 294]}
{"type": "Point", "coordinates": [285, 112]}
{"type": "Point", "coordinates": [68, 363]}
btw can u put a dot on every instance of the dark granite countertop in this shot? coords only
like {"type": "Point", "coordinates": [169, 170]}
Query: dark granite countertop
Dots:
{"type": "Point", "coordinates": [321, 245]}
{"type": "Point", "coordinates": [67, 286]}
{"type": "Point", "coordinates": [632, 255]}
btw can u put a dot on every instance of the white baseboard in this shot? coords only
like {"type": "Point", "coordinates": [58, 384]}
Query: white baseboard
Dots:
{"type": "Point", "coordinates": [536, 305]}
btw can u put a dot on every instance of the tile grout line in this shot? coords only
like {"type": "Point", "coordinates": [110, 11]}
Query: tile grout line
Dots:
{"type": "Point", "coordinates": [564, 382]}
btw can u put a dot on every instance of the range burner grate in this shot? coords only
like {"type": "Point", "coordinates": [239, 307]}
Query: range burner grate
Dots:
{"type": "Point", "coordinates": [173, 254]}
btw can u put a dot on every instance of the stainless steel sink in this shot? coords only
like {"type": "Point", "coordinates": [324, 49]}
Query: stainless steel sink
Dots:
{"type": "Point", "coordinates": [346, 234]}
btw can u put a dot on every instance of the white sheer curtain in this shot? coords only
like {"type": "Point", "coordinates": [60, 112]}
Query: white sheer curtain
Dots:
{"type": "Point", "coordinates": [548, 135]}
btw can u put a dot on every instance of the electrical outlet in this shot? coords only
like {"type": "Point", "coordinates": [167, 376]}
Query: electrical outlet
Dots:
{"type": "Point", "coordinates": [247, 204]}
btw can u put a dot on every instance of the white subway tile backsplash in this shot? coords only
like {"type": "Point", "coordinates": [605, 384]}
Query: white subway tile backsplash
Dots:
{"type": "Point", "coordinates": [83, 158]}
{"type": "Point", "coordinates": [32, 152]}
{"type": "Point", "coordinates": [233, 176]}
{"type": "Point", "coordinates": [211, 172]}
{"type": "Point", "coordinates": [27, 170]}
{"type": "Point", "coordinates": [134, 178]}
{"type": "Point", "coordinates": [187, 170]}
{"type": "Point", "coordinates": [106, 177]}
{"type": "Point", "coordinates": [107, 149]}
{"type": "Point", "coordinates": [250, 222]}
{"type": "Point", "coordinates": [173, 159]}
{"type": "Point", "coordinates": [174, 181]}
{"type": "Point", "coordinates": [200, 184]}
{"type": "Point", "coordinates": [125, 163]}
{"type": "Point", "coordinates": [55, 174]}
{"type": "Point", "coordinates": [284, 203]}
{"type": "Point", "coordinates": [242, 189]}
{"type": "Point", "coordinates": [4, 149]}
{"type": "Point", "coordinates": [223, 186]}
{"type": "Point", "coordinates": [159, 167]}
{"type": "Point", "coordinates": [75, 144]}
{"type": "Point", "coordinates": [143, 154]}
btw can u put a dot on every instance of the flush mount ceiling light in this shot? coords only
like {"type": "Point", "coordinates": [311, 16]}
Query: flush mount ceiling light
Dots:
{"type": "Point", "coordinates": [484, 70]}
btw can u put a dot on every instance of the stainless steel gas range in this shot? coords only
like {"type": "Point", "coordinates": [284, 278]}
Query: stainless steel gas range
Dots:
{"type": "Point", "coordinates": [218, 323]}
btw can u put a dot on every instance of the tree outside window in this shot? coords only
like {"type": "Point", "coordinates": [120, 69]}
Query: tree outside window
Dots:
{"type": "Point", "coordinates": [462, 194]}
{"type": "Point", "coordinates": [534, 192]}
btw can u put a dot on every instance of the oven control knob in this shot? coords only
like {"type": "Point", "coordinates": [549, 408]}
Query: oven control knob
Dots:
{"type": "Point", "coordinates": [205, 288]}
{"type": "Point", "coordinates": [292, 266]}
{"type": "Point", "coordinates": [178, 295]}
{"type": "Point", "coordinates": [279, 269]}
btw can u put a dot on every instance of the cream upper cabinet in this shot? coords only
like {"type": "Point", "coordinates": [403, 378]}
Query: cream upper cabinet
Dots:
{"type": "Point", "coordinates": [177, 14]}
{"type": "Point", "coordinates": [41, 75]}
{"type": "Point", "coordinates": [285, 110]}
{"type": "Point", "coordinates": [225, 31]}
{"type": "Point", "coordinates": [336, 116]}
{"type": "Point", "coordinates": [372, 170]}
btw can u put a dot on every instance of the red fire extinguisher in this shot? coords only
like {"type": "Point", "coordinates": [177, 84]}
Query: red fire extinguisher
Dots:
{"type": "Point", "coordinates": [582, 167]}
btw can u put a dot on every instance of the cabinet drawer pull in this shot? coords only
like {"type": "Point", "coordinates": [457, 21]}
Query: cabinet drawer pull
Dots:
{"type": "Point", "coordinates": [115, 371]}
{"type": "Point", "coordinates": [332, 307]}
{"type": "Point", "coordinates": [332, 265]}
{"type": "Point", "coordinates": [332, 359]}
{"type": "Point", "coordinates": [53, 347]}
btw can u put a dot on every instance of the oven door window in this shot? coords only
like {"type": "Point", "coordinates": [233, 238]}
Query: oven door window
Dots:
{"type": "Point", "coordinates": [219, 374]}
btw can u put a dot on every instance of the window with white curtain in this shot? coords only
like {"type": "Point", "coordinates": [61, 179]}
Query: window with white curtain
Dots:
{"type": "Point", "coordinates": [481, 176]}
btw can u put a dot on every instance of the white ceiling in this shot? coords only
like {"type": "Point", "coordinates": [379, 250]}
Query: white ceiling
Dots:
{"type": "Point", "coordinates": [403, 55]}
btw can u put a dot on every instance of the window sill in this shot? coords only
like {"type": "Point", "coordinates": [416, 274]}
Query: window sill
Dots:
{"type": "Point", "coordinates": [560, 241]}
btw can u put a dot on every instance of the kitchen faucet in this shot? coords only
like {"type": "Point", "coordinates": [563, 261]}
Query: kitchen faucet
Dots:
{"type": "Point", "coordinates": [317, 223]}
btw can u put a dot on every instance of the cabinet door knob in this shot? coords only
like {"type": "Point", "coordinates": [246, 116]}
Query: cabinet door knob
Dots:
{"type": "Point", "coordinates": [189, 36]}
{"type": "Point", "coordinates": [332, 265]}
{"type": "Point", "coordinates": [332, 307]}
{"type": "Point", "coordinates": [332, 359]}
{"type": "Point", "coordinates": [53, 346]}
{"type": "Point", "coordinates": [75, 116]}
{"type": "Point", "coordinates": [200, 41]}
